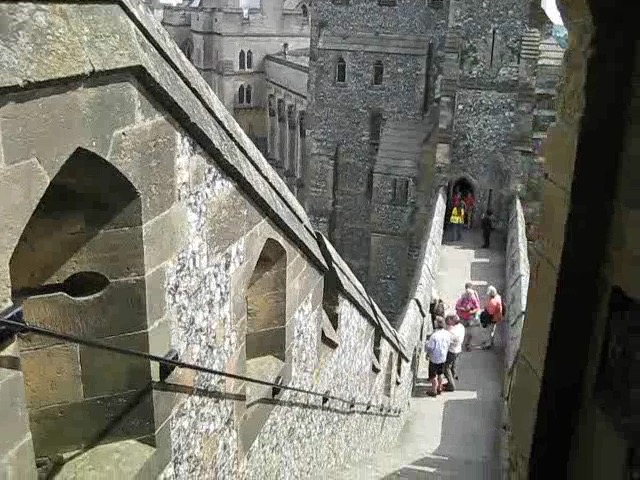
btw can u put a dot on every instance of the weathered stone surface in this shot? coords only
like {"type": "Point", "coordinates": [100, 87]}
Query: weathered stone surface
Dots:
{"type": "Point", "coordinates": [229, 218]}
{"type": "Point", "coordinates": [21, 187]}
{"type": "Point", "coordinates": [106, 373]}
{"type": "Point", "coordinates": [12, 402]}
{"type": "Point", "coordinates": [70, 426]}
{"type": "Point", "coordinates": [51, 127]}
{"type": "Point", "coordinates": [52, 375]}
{"type": "Point", "coordinates": [46, 33]}
{"type": "Point", "coordinates": [156, 285]}
{"type": "Point", "coordinates": [19, 462]}
{"type": "Point", "coordinates": [164, 236]}
{"type": "Point", "coordinates": [146, 154]}
{"type": "Point", "coordinates": [119, 308]}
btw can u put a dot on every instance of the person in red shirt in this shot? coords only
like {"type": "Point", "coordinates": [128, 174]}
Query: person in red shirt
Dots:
{"type": "Point", "coordinates": [492, 314]}
{"type": "Point", "coordinates": [456, 199]}
{"type": "Point", "coordinates": [469, 202]}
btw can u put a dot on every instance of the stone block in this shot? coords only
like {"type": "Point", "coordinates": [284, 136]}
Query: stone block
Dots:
{"type": "Point", "coordinates": [165, 235]}
{"type": "Point", "coordinates": [67, 427]}
{"type": "Point", "coordinates": [161, 456]}
{"type": "Point", "coordinates": [552, 221]}
{"type": "Point", "coordinates": [146, 155]}
{"type": "Point", "coordinates": [117, 254]}
{"type": "Point", "coordinates": [106, 373]}
{"type": "Point", "coordinates": [52, 375]}
{"type": "Point", "coordinates": [120, 308]}
{"type": "Point", "coordinates": [21, 187]}
{"type": "Point", "coordinates": [19, 463]}
{"type": "Point", "coordinates": [267, 342]}
{"type": "Point", "coordinates": [560, 153]}
{"type": "Point", "coordinates": [13, 410]}
{"type": "Point", "coordinates": [525, 391]}
{"type": "Point", "coordinates": [51, 127]}
{"type": "Point", "coordinates": [535, 331]}
{"type": "Point", "coordinates": [228, 219]}
{"type": "Point", "coordinates": [55, 49]}
{"type": "Point", "coordinates": [156, 285]}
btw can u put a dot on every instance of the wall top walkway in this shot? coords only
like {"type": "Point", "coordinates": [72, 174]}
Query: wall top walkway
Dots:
{"type": "Point", "coordinates": [455, 435]}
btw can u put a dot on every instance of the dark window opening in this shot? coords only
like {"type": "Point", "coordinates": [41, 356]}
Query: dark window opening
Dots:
{"type": "Point", "coordinates": [305, 11]}
{"type": "Point", "coordinates": [375, 127]}
{"type": "Point", "coordinates": [241, 60]}
{"type": "Point", "coordinates": [249, 59]}
{"type": "Point", "coordinates": [378, 73]}
{"type": "Point", "coordinates": [341, 71]}
{"type": "Point", "coordinates": [247, 95]}
{"type": "Point", "coordinates": [281, 114]}
{"type": "Point", "coordinates": [301, 125]}
{"type": "Point", "coordinates": [493, 46]}
{"type": "Point", "coordinates": [388, 371]}
{"type": "Point", "coordinates": [272, 110]}
{"type": "Point", "coordinates": [427, 78]}
{"type": "Point", "coordinates": [241, 94]}
{"type": "Point", "coordinates": [400, 191]}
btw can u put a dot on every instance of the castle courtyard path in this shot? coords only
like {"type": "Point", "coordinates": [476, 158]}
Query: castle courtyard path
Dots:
{"type": "Point", "coordinates": [455, 435]}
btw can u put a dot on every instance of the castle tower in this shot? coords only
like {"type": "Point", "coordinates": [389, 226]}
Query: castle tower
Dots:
{"type": "Point", "coordinates": [489, 97]}
{"type": "Point", "coordinates": [372, 72]}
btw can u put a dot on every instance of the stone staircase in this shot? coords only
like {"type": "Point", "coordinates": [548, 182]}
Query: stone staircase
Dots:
{"type": "Point", "coordinates": [530, 47]}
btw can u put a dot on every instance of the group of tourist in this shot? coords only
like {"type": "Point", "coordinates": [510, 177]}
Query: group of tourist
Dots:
{"type": "Point", "coordinates": [462, 209]}
{"type": "Point", "coordinates": [453, 332]}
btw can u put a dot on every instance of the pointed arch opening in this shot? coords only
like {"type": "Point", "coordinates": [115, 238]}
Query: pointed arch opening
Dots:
{"type": "Point", "coordinates": [266, 300]}
{"type": "Point", "coordinates": [248, 92]}
{"type": "Point", "coordinates": [241, 96]}
{"type": "Point", "coordinates": [305, 11]}
{"type": "Point", "coordinates": [249, 59]}
{"type": "Point", "coordinates": [242, 62]}
{"type": "Point", "coordinates": [79, 268]}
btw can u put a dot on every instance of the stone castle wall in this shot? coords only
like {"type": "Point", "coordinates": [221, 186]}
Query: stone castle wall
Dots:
{"type": "Point", "coordinates": [517, 280]}
{"type": "Point", "coordinates": [205, 223]}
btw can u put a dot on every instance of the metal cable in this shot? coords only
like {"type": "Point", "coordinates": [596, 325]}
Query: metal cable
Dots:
{"type": "Point", "coordinates": [22, 327]}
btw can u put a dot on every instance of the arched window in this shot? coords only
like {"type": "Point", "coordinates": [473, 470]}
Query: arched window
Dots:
{"type": "Point", "coordinates": [378, 72]}
{"type": "Point", "coordinates": [247, 95]}
{"type": "Point", "coordinates": [249, 60]}
{"type": "Point", "coordinates": [266, 301]}
{"type": "Point", "coordinates": [241, 60]}
{"type": "Point", "coordinates": [241, 94]}
{"type": "Point", "coordinates": [305, 11]}
{"type": "Point", "coordinates": [341, 71]}
{"type": "Point", "coordinates": [69, 255]}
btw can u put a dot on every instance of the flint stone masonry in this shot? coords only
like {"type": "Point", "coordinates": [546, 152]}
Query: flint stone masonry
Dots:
{"type": "Point", "coordinates": [183, 284]}
{"type": "Point", "coordinates": [341, 192]}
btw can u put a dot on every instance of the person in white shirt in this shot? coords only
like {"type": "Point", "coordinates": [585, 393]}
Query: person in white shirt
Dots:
{"type": "Point", "coordinates": [457, 331]}
{"type": "Point", "coordinates": [437, 348]}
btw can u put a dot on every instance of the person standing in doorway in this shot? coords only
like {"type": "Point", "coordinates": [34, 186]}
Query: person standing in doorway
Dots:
{"type": "Point", "coordinates": [456, 199]}
{"type": "Point", "coordinates": [487, 227]}
{"type": "Point", "coordinates": [456, 219]}
{"type": "Point", "coordinates": [456, 329]}
{"type": "Point", "coordinates": [437, 347]}
{"type": "Point", "coordinates": [470, 203]}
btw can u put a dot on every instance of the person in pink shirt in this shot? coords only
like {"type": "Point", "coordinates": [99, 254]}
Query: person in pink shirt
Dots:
{"type": "Point", "coordinates": [468, 309]}
{"type": "Point", "coordinates": [493, 312]}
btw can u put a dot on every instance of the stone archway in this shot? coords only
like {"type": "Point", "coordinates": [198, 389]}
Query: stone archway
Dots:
{"type": "Point", "coordinates": [78, 268]}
